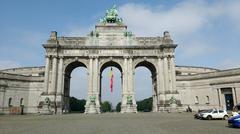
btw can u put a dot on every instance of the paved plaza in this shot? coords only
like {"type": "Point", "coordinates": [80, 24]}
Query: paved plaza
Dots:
{"type": "Point", "coordinates": [113, 123]}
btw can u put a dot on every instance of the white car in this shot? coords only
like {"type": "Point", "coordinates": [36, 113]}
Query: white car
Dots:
{"type": "Point", "coordinates": [214, 114]}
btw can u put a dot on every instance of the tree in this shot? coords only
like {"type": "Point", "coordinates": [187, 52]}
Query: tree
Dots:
{"type": "Point", "coordinates": [145, 105]}
{"type": "Point", "coordinates": [77, 105]}
{"type": "Point", "coordinates": [106, 106]}
{"type": "Point", "coordinates": [118, 107]}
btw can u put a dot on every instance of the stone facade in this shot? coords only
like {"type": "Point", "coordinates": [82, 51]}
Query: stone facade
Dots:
{"type": "Point", "coordinates": [111, 44]}
{"type": "Point", "coordinates": [192, 82]}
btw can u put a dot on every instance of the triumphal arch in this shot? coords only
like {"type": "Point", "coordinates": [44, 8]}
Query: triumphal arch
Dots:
{"type": "Point", "coordinates": [109, 44]}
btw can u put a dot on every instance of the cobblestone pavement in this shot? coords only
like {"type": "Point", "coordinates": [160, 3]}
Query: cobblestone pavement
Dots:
{"type": "Point", "coordinates": [113, 123]}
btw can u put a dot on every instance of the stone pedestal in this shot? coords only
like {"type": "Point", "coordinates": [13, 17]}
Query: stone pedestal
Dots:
{"type": "Point", "coordinates": [92, 109]}
{"type": "Point", "coordinates": [45, 110]}
{"type": "Point", "coordinates": [129, 108]}
{"type": "Point", "coordinates": [45, 105]}
{"type": "Point", "coordinates": [56, 104]}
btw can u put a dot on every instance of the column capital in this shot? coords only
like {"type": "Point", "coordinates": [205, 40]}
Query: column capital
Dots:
{"type": "Point", "coordinates": [128, 57]}
{"type": "Point", "coordinates": [91, 56]}
{"type": "Point", "coordinates": [95, 57]}
{"type": "Point", "coordinates": [125, 56]}
{"type": "Point", "coordinates": [54, 56]}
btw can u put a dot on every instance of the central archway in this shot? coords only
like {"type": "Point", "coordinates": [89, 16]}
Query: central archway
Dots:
{"type": "Point", "coordinates": [106, 95]}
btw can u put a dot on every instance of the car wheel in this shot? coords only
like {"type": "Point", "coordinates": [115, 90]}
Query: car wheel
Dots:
{"type": "Point", "coordinates": [225, 117]}
{"type": "Point", "coordinates": [209, 117]}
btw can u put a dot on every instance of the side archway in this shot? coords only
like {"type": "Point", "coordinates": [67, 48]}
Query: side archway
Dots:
{"type": "Point", "coordinates": [69, 68]}
{"type": "Point", "coordinates": [153, 72]}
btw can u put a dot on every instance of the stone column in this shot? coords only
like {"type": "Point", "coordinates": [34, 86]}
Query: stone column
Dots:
{"type": "Point", "coordinates": [90, 106]}
{"type": "Point", "coordinates": [125, 76]}
{"type": "Point", "coordinates": [154, 92]}
{"type": "Point", "coordinates": [219, 98]}
{"type": "Point", "coordinates": [161, 82]}
{"type": "Point", "coordinates": [95, 76]}
{"type": "Point", "coordinates": [234, 96]}
{"type": "Point", "coordinates": [169, 65]}
{"type": "Point", "coordinates": [95, 82]}
{"type": "Point", "coordinates": [124, 85]}
{"type": "Point", "coordinates": [173, 73]}
{"type": "Point", "coordinates": [59, 94]}
{"type": "Point", "coordinates": [166, 77]}
{"type": "Point", "coordinates": [90, 77]}
{"type": "Point", "coordinates": [60, 76]}
{"type": "Point", "coordinates": [131, 86]}
{"type": "Point", "coordinates": [46, 75]}
{"type": "Point", "coordinates": [52, 90]}
{"type": "Point", "coordinates": [237, 91]}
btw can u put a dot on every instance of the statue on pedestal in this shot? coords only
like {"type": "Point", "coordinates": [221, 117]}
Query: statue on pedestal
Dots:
{"type": "Point", "coordinates": [46, 107]}
{"type": "Point", "coordinates": [111, 16]}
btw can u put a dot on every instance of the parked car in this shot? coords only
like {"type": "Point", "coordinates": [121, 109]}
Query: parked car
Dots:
{"type": "Point", "coordinates": [234, 121]}
{"type": "Point", "coordinates": [214, 114]}
{"type": "Point", "coordinates": [198, 114]}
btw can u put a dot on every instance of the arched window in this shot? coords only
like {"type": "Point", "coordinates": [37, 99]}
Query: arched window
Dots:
{"type": "Point", "coordinates": [21, 102]}
{"type": "Point", "coordinates": [207, 97]}
{"type": "Point", "coordinates": [196, 100]}
{"type": "Point", "coordinates": [10, 102]}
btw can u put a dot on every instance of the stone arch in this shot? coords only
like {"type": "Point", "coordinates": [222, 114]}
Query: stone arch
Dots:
{"type": "Point", "coordinates": [69, 62]}
{"type": "Point", "coordinates": [108, 63]}
{"type": "Point", "coordinates": [146, 63]}
{"type": "Point", "coordinates": [71, 66]}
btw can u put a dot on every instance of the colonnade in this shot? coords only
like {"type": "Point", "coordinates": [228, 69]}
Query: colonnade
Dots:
{"type": "Point", "coordinates": [163, 79]}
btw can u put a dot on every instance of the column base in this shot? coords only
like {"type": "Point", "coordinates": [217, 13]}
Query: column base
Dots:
{"type": "Point", "coordinates": [55, 105]}
{"type": "Point", "coordinates": [92, 109]}
{"type": "Point", "coordinates": [129, 108]}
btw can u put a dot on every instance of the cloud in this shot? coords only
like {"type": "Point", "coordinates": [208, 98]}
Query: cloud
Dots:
{"type": "Point", "coordinates": [184, 18]}
{"type": "Point", "coordinates": [197, 26]}
{"type": "Point", "coordinates": [5, 64]}
{"type": "Point", "coordinates": [197, 48]}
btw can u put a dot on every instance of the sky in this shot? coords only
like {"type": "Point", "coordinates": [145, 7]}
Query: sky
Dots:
{"type": "Point", "coordinates": [207, 31]}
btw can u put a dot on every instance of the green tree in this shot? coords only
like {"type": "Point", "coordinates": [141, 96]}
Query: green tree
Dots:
{"type": "Point", "coordinates": [77, 105]}
{"type": "Point", "coordinates": [118, 107]}
{"type": "Point", "coordinates": [145, 105]}
{"type": "Point", "coordinates": [106, 106]}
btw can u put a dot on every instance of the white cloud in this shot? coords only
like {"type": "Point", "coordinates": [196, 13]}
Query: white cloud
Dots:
{"type": "Point", "coordinates": [5, 64]}
{"type": "Point", "coordinates": [186, 22]}
{"type": "Point", "coordinates": [197, 48]}
{"type": "Point", "coordinates": [183, 19]}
